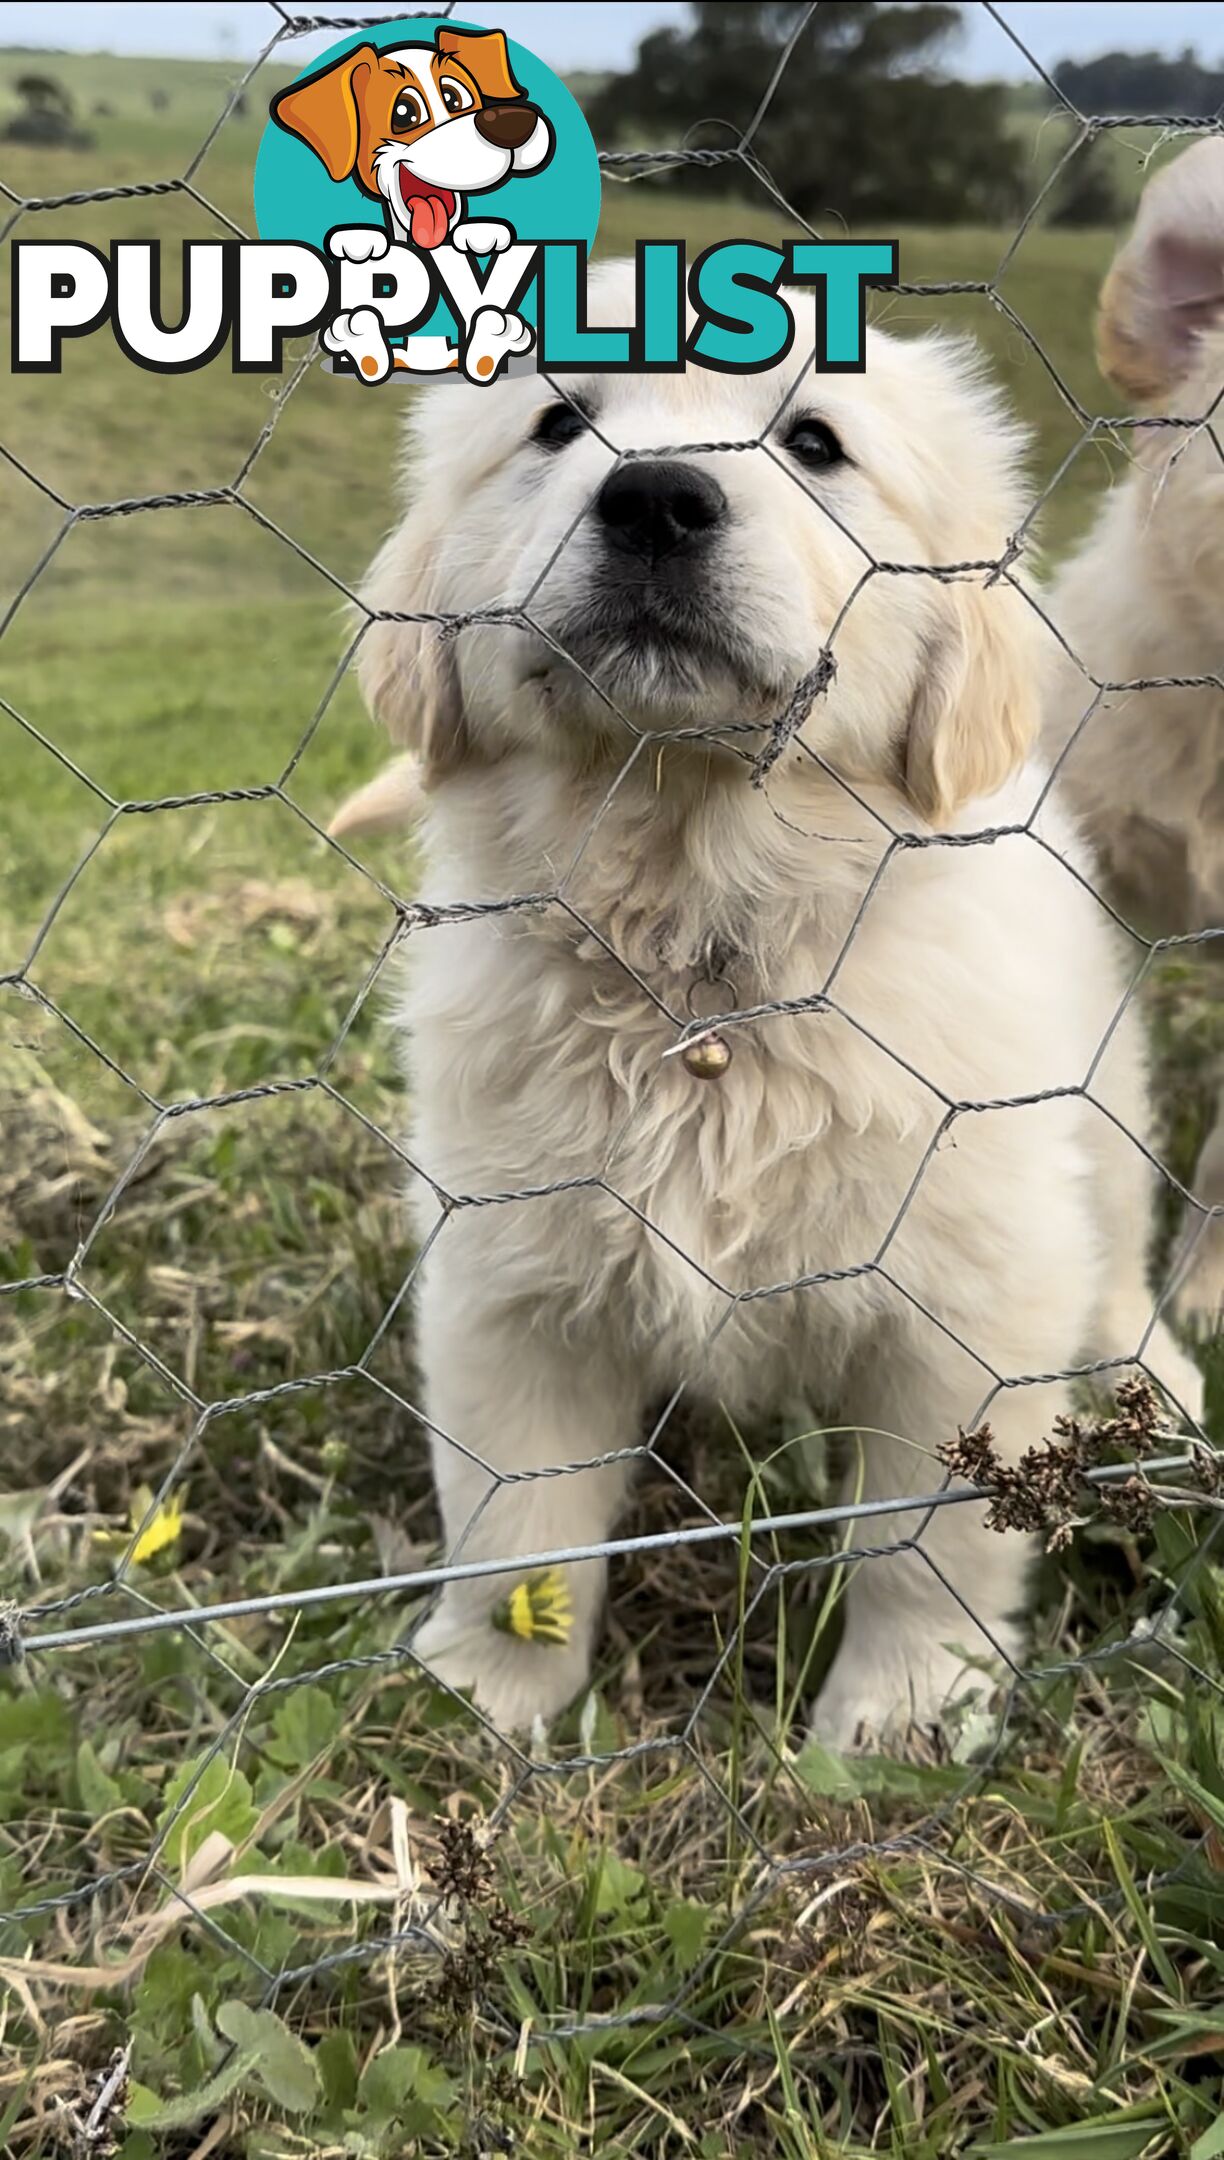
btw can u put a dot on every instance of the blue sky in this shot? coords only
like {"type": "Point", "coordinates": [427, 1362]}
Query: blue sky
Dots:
{"type": "Point", "coordinates": [603, 33]}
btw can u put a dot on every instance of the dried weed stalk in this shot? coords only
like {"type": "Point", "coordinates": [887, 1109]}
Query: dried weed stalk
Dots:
{"type": "Point", "coordinates": [488, 1933]}
{"type": "Point", "coordinates": [1048, 1490]}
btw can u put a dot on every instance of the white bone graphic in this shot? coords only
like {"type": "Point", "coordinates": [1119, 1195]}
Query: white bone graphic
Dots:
{"type": "Point", "coordinates": [428, 354]}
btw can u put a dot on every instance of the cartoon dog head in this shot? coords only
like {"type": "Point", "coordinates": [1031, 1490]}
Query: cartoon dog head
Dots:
{"type": "Point", "coordinates": [421, 127]}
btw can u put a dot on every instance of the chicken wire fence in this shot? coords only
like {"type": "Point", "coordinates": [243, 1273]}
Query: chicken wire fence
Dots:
{"type": "Point", "coordinates": [36, 1636]}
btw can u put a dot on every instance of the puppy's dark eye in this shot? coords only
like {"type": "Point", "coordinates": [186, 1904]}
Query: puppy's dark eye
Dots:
{"type": "Point", "coordinates": [558, 425]}
{"type": "Point", "coordinates": [814, 444]}
{"type": "Point", "coordinates": [407, 111]}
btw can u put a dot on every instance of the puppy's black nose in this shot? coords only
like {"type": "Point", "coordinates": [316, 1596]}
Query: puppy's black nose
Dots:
{"type": "Point", "coordinates": [507, 127]}
{"type": "Point", "coordinates": [660, 507]}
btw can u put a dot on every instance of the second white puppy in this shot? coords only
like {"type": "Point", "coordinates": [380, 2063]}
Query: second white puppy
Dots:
{"type": "Point", "coordinates": [1142, 602]}
{"type": "Point", "coordinates": [895, 1197]}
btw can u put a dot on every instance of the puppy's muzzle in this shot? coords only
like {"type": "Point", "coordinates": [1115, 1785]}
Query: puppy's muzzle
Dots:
{"type": "Point", "coordinates": [507, 127]}
{"type": "Point", "coordinates": [658, 508]}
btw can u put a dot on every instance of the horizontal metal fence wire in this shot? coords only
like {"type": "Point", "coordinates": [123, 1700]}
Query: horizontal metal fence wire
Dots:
{"type": "Point", "coordinates": [114, 1611]}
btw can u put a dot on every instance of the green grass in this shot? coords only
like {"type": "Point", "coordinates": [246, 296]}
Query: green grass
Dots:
{"type": "Point", "coordinates": [914, 1999]}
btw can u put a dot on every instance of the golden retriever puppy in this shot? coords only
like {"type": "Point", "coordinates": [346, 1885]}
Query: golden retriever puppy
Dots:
{"type": "Point", "coordinates": [882, 1183]}
{"type": "Point", "coordinates": [1142, 602]}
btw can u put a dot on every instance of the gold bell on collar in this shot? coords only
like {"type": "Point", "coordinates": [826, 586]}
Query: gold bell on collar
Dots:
{"type": "Point", "coordinates": [706, 1056]}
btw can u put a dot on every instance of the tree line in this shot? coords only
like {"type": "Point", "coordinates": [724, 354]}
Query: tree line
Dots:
{"type": "Point", "coordinates": [867, 121]}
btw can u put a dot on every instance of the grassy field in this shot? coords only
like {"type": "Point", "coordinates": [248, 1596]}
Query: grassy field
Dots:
{"type": "Point", "coordinates": [1018, 1952]}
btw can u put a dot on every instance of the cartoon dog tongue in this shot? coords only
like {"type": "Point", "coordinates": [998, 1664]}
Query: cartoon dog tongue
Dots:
{"type": "Point", "coordinates": [427, 220]}
{"type": "Point", "coordinates": [429, 210]}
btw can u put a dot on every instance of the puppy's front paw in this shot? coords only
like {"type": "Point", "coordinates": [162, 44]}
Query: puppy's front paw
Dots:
{"type": "Point", "coordinates": [482, 236]}
{"type": "Point", "coordinates": [360, 336]}
{"type": "Point", "coordinates": [493, 337]}
{"type": "Point", "coordinates": [358, 243]}
{"type": "Point", "coordinates": [877, 1696]}
{"type": "Point", "coordinates": [512, 1681]}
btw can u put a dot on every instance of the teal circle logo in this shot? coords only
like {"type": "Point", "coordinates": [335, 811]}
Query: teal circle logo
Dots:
{"type": "Point", "coordinates": [434, 133]}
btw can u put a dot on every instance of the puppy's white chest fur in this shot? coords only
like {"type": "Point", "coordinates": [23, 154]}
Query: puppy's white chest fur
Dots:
{"type": "Point", "coordinates": [667, 1204]}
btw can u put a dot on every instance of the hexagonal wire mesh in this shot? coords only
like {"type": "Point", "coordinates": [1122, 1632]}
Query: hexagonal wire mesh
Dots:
{"type": "Point", "coordinates": [53, 1628]}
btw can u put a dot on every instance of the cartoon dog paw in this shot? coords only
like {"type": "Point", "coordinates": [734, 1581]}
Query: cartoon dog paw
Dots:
{"type": "Point", "coordinates": [492, 339]}
{"type": "Point", "coordinates": [360, 337]}
{"type": "Point", "coordinates": [358, 243]}
{"type": "Point", "coordinates": [481, 236]}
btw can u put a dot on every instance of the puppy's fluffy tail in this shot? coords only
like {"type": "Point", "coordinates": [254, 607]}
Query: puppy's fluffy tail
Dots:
{"type": "Point", "coordinates": [394, 797]}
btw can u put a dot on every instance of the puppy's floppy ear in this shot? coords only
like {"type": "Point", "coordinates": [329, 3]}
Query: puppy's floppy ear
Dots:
{"type": "Point", "coordinates": [975, 715]}
{"type": "Point", "coordinates": [391, 799]}
{"type": "Point", "coordinates": [408, 671]}
{"type": "Point", "coordinates": [1167, 285]}
{"type": "Point", "coordinates": [325, 110]}
{"type": "Point", "coordinates": [486, 56]}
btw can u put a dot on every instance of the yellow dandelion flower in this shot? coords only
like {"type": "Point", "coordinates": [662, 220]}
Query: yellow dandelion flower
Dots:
{"type": "Point", "coordinates": [158, 1530]}
{"type": "Point", "coordinates": [539, 1609]}
{"type": "Point", "coordinates": [164, 1527]}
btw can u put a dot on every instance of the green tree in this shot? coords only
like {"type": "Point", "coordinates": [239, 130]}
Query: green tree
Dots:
{"type": "Point", "coordinates": [862, 124]}
{"type": "Point", "coordinates": [1143, 82]}
{"type": "Point", "coordinates": [1086, 193]}
{"type": "Point", "coordinates": [46, 117]}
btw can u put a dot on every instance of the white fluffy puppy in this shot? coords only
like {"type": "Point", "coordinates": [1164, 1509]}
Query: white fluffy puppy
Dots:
{"type": "Point", "coordinates": [1142, 601]}
{"type": "Point", "coordinates": [848, 1210]}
